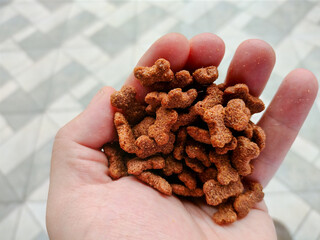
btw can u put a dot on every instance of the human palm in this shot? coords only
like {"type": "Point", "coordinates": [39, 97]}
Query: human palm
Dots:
{"type": "Point", "coordinates": [84, 203]}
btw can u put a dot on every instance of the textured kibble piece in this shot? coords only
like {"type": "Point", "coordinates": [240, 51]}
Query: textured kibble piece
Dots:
{"type": "Point", "coordinates": [125, 99]}
{"type": "Point", "coordinates": [240, 90]}
{"type": "Point", "coordinates": [225, 214]}
{"type": "Point", "coordinates": [206, 76]}
{"type": "Point", "coordinates": [214, 96]}
{"type": "Point", "coordinates": [160, 130]}
{"type": "Point", "coordinates": [194, 164]}
{"type": "Point", "coordinates": [207, 174]}
{"type": "Point", "coordinates": [216, 193]}
{"type": "Point", "coordinates": [154, 100]}
{"type": "Point", "coordinates": [182, 79]}
{"type": "Point", "coordinates": [228, 147]}
{"type": "Point", "coordinates": [181, 190]}
{"type": "Point", "coordinates": [219, 133]}
{"type": "Point", "coordinates": [159, 72]}
{"type": "Point", "coordinates": [237, 115]}
{"type": "Point", "coordinates": [178, 99]}
{"type": "Point", "coordinates": [125, 134]}
{"type": "Point", "coordinates": [147, 146]}
{"type": "Point", "coordinates": [222, 86]}
{"type": "Point", "coordinates": [188, 178]}
{"type": "Point", "coordinates": [198, 151]}
{"type": "Point", "coordinates": [156, 182]}
{"type": "Point", "coordinates": [199, 134]}
{"type": "Point", "coordinates": [226, 173]}
{"type": "Point", "coordinates": [185, 119]}
{"type": "Point", "coordinates": [172, 166]}
{"type": "Point", "coordinates": [259, 137]}
{"type": "Point", "coordinates": [246, 201]}
{"type": "Point", "coordinates": [180, 144]}
{"type": "Point", "coordinates": [142, 127]}
{"type": "Point", "coordinates": [243, 154]}
{"type": "Point", "coordinates": [248, 131]}
{"type": "Point", "coordinates": [137, 165]}
{"type": "Point", "coordinates": [116, 163]}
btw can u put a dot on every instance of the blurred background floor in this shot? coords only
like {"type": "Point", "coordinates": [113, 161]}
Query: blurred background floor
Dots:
{"type": "Point", "coordinates": [55, 55]}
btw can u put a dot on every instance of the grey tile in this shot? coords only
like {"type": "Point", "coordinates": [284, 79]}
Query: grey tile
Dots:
{"type": "Point", "coordinates": [7, 194]}
{"type": "Point", "coordinates": [41, 236]}
{"type": "Point", "coordinates": [7, 208]}
{"type": "Point", "coordinates": [17, 120]}
{"type": "Point", "coordinates": [12, 26]}
{"type": "Point", "coordinates": [312, 198]}
{"type": "Point", "coordinates": [63, 81]}
{"type": "Point", "coordinates": [52, 5]}
{"type": "Point", "coordinates": [312, 61]}
{"type": "Point", "coordinates": [85, 100]}
{"type": "Point", "coordinates": [310, 129]}
{"type": "Point", "coordinates": [4, 76]}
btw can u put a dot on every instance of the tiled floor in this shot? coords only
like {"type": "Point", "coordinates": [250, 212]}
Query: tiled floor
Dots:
{"type": "Point", "coordinates": [55, 55]}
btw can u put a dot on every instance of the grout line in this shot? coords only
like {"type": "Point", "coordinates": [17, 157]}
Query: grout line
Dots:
{"type": "Point", "coordinates": [302, 222]}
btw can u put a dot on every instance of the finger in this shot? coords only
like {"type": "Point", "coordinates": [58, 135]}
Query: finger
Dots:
{"type": "Point", "coordinates": [94, 126]}
{"type": "Point", "coordinates": [283, 120]}
{"type": "Point", "coordinates": [173, 47]}
{"type": "Point", "coordinates": [252, 64]}
{"type": "Point", "coordinates": [206, 49]}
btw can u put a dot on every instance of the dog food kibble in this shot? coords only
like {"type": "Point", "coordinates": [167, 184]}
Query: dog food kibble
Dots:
{"type": "Point", "coordinates": [190, 137]}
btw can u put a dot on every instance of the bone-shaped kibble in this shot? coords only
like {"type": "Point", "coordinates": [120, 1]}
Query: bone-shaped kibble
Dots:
{"type": "Point", "coordinates": [199, 134]}
{"type": "Point", "coordinates": [136, 165]}
{"type": "Point", "coordinates": [244, 202]}
{"type": "Point", "coordinates": [188, 178]}
{"type": "Point", "coordinates": [254, 104]}
{"type": "Point", "coordinates": [243, 154]}
{"type": "Point", "coordinates": [248, 131]}
{"type": "Point", "coordinates": [208, 174]}
{"type": "Point", "coordinates": [154, 100]}
{"type": "Point", "coordinates": [185, 119]}
{"type": "Point", "coordinates": [186, 192]}
{"type": "Point", "coordinates": [206, 76]}
{"type": "Point", "coordinates": [142, 127]}
{"type": "Point", "coordinates": [237, 115]}
{"type": "Point", "coordinates": [259, 137]}
{"type": "Point", "coordinates": [228, 147]}
{"type": "Point", "coordinates": [213, 97]}
{"type": "Point", "coordinates": [179, 148]}
{"type": "Point", "coordinates": [160, 130]}
{"type": "Point", "coordinates": [198, 151]}
{"type": "Point", "coordinates": [159, 72]}
{"type": "Point", "coordinates": [225, 214]}
{"type": "Point", "coordinates": [125, 99]}
{"type": "Point", "coordinates": [220, 134]}
{"type": "Point", "coordinates": [178, 99]}
{"type": "Point", "coordinates": [116, 163]}
{"type": "Point", "coordinates": [172, 166]}
{"type": "Point", "coordinates": [226, 173]}
{"type": "Point", "coordinates": [194, 164]}
{"type": "Point", "coordinates": [156, 182]}
{"type": "Point", "coordinates": [216, 193]}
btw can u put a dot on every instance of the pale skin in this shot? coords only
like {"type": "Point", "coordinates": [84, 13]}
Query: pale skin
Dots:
{"type": "Point", "coordinates": [84, 203]}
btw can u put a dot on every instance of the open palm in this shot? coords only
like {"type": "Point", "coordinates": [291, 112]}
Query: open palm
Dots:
{"type": "Point", "coordinates": [84, 203]}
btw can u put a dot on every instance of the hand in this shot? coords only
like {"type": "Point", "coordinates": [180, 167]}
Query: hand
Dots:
{"type": "Point", "coordinates": [84, 203]}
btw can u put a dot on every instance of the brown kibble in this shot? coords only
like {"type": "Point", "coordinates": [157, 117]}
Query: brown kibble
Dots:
{"type": "Point", "coordinates": [248, 131]}
{"type": "Point", "coordinates": [185, 119]}
{"type": "Point", "coordinates": [213, 97]}
{"type": "Point", "coordinates": [198, 134]}
{"type": "Point", "coordinates": [226, 173]}
{"type": "Point", "coordinates": [178, 99]}
{"type": "Point", "coordinates": [172, 166]}
{"type": "Point", "coordinates": [206, 76]}
{"type": "Point", "coordinates": [179, 148]}
{"type": "Point", "coordinates": [159, 72]}
{"type": "Point", "coordinates": [259, 137]}
{"type": "Point", "coordinates": [219, 133]}
{"type": "Point", "coordinates": [156, 182]}
{"type": "Point", "coordinates": [198, 151]}
{"type": "Point", "coordinates": [136, 165]}
{"type": "Point", "coordinates": [160, 130]}
{"type": "Point", "coordinates": [186, 192]}
{"type": "Point", "coordinates": [243, 154]}
{"type": "Point", "coordinates": [216, 193]}
{"type": "Point", "coordinates": [116, 163]}
{"type": "Point", "coordinates": [194, 164]}
{"type": "Point", "coordinates": [225, 214]}
{"type": "Point", "coordinates": [181, 80]}
{"type": "Point", "coordinates": [209, 173]}
{"type": "Point", "coordinates": [188, 178]}
{"type": "Point", "coordinates": [254, 104]}
{"type": "Point", "coordinates": [222, 86]}
{"type": "Point", "coordinates": [142, 127]}
{"type": "Point", "coordinates": [246, 201]}
{"type": "Point", "coordinates": [228, 147]}
{"type": "Point", "coordinates": [237, 115]}
{"type": "Point", "coordinates": [125, 99]}
{"type": "Point", "coordinates": [154, 100]}
{"type": "Point", "coordinates": [126, 138]}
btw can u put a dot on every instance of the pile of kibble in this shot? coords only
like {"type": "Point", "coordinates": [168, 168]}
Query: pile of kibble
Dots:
{"type": "Point", "coordinates": [190, 137]}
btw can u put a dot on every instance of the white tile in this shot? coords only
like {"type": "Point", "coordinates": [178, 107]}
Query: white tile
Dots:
{"type": "Point", "coordinates": [9, 223]}
{"type": "Point", "coordinates": [313, 14]}
{"type": "Point", "coordinates": [310, 227]}
{"type": "Point", "coordinates": [100, 9]}
{"type": "Point", "coordinates": [27, 227]}
{"type": "Point", "coordinates": [8, 46]}
{"type": "Point", "coordinates": [20, 145]}
{"type": "Point", "coordinates": [24, 33]}
{"type": "Point", "coordinates": [317, 162]}
{"type": "Point", "coordinates": [275, 186]}
{"type": "Point", "coordinates": [6, 13]}
{"type": "Point", "coordinates": [305, 149]}
{"type": "Point", "coordinates": [38, 210]}
{"type": "Point", "coordinates": [47, 131]}
{"type": "Point", "coordinates": [263, 9]}
{"type": "Point", "coordinates": [41, 193]}
{"type": "Point", "coordinates": [83, 87]}
{"type": "Point", "coordinates": [308, 32]}
{"type": "Point", "coordinates": [7, 89]}
{"type": "Point", "coordinates": [15, 62]}
{"type": "Point", "coordinates": [34, 12]}
{"type": "Point", "coordinates": [65, 102]}
{"type": "Point", "coordinates": [240, 20]}
{"type": "Point", "coordinates": [61, 118]}
{"type": "Point", "coordinates": [287, 208]}
{"type": "Point", "coordinates": [5, 134]}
